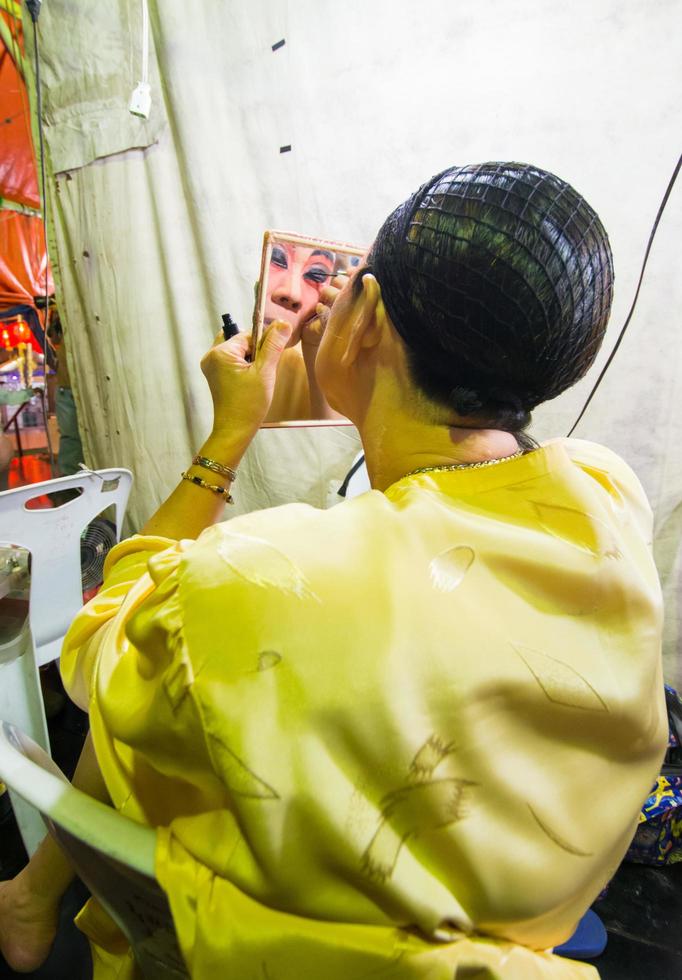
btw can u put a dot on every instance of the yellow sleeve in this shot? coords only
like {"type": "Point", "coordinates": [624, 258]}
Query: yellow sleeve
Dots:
{"type": "Point", "coordinates": [127, 661]}
{"type": "Point", "coordinates": [125, 566]}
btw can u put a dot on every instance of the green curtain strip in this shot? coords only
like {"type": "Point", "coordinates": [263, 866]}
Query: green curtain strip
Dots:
{"type": "Point", "coordinates": [7, 205]}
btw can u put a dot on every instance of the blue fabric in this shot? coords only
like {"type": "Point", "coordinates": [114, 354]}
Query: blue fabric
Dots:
{"type": "Point", "coordinates": [658, 839]}
{"type": "Point", "coordinates": [588, 940]}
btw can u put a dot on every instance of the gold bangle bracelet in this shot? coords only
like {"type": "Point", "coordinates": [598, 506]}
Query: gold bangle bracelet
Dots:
{"type": "Point", "coordinates": [221, 491]}
{"type": "Point", "coordinates": [215, 466]}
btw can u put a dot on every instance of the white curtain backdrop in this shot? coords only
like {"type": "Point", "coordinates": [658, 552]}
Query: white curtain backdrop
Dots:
{"type": "Point", "coordinates": [157, 225]}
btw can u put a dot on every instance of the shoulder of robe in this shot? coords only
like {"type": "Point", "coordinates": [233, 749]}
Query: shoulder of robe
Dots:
{"type": "Point", "coordinates": [616, 476]}
{"type": "Point", "coordinates": [276, 524]}
{"type": "Point", "coordinates": [593, 456]}
{"type": "Point", "coordinates": [294, 536]}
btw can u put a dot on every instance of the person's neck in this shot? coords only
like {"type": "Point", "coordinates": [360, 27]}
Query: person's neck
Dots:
{"type": "Point", "coordinates": [397, 444]}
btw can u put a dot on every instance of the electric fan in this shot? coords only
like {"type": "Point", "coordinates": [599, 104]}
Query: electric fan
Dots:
{"type": "Point", "coordinates": [98, 538]}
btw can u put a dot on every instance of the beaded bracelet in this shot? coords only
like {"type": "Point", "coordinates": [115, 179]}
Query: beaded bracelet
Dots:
{"type": "Point", "coordinates": [215, 466]}
{"type": "Point", "coordinates": [221, 491]}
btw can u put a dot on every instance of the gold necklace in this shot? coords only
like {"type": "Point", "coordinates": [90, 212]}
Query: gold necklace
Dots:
{"type": "Point", "coordinates": [463, 466]}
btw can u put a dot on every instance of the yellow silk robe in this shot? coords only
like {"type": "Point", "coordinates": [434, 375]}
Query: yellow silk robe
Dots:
{"type": "Point", "coordinates": [401, 738]}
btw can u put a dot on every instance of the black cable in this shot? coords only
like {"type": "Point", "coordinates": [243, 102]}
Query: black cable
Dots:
{"type": "Point", "coordinates": [33, 9]}
{"type": "Point", "coordinates": [343, 489]}
{"type": "Point", "coordinates": [611, 356]}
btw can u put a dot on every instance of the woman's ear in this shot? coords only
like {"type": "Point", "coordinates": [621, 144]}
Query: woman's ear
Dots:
{"type": "Point", "coordinates": [368, 320]}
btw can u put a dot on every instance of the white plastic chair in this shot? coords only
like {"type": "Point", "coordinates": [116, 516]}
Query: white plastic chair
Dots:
{"type": "Point", "coordinates": [113, 855]}
{"type": "Point", "coordinates": [52, 536]}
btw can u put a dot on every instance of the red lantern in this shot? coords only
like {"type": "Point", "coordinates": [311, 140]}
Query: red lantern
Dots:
{"type": "Point", "coordinates": [21, 332]}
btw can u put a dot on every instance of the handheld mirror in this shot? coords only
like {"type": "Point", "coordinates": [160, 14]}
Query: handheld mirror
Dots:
{"type": "Point", "coordinates": [294, 271]}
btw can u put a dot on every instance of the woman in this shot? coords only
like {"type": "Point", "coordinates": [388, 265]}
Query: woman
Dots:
{"type": "Point", "coordinates": [409, 736]}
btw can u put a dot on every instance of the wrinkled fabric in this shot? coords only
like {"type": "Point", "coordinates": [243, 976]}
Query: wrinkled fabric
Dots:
{"type": "Point", "coordinates": [18, 178]}
{"type": "Point", "coordinates": [152, 245]}
{"type": "Point", "coordinates": [405, 737]}
{"type": "Point", "coordinates": [22, 260]}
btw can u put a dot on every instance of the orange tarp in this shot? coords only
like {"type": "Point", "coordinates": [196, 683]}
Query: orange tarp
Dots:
{"type": "Point", "coordinates": [22, 259]}
{"type": "Point", "coordinates": [22, 243]}
{"type": "Point", "coordinates": [18, 180]}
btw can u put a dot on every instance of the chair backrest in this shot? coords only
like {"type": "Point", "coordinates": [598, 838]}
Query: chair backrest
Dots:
{"type": "Point", "coordinates": [113, 855]}
{"type": "Point", "coordinates": [52, 535]}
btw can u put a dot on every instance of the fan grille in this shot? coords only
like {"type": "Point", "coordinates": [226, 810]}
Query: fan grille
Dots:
{"type": "Point", "coordinates": [98, 538]}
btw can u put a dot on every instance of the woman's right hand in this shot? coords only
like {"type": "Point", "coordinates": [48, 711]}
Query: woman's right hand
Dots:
{"type": "Point", "coordinates": [313, 330]}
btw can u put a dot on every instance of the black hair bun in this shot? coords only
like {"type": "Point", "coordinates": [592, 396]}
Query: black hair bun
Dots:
{"type": "Point", "coordinates": [499, 279]}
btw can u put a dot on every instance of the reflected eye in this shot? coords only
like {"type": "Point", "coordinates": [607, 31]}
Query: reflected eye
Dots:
{"type": "Point", "coordinates": [278, 257]}
{"type": "Point", "coordinates": [317, 274]}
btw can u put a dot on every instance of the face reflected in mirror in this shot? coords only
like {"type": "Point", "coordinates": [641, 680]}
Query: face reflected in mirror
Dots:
{"type": "Point", "coordinates": [296, 277]}
{"type": "Point", "coordinates": [294, 272]}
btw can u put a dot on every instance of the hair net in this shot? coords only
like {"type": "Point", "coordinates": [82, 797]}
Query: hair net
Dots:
{"type": "Point", "coordinates": [498, 277]}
